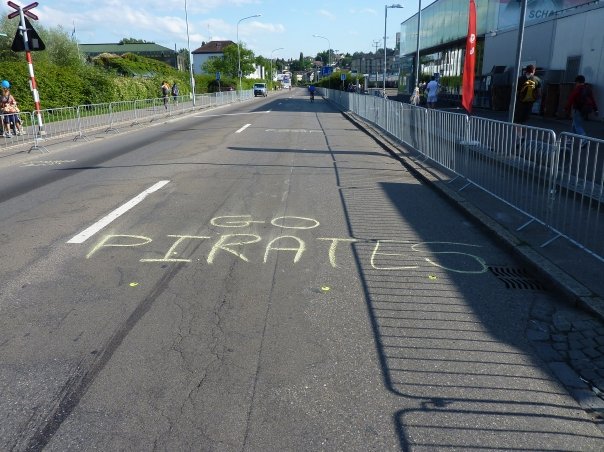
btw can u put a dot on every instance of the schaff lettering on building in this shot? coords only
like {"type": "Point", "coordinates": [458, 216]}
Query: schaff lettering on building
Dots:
{"type": "Point", "coordinates": [540, 13]}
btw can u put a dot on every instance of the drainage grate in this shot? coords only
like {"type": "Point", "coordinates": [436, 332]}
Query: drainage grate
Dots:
{"type": "Point", "coordinates": [517, 278]}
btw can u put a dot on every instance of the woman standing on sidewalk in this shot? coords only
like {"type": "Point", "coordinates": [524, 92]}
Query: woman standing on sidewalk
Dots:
{"type": "Point", "coordinates": [581, 101]}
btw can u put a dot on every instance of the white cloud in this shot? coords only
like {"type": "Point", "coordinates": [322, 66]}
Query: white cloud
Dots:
{"type": "Point", "coordinates": [271, 28]}
{"type": "Point", "coordinates": [364, 11]}
{"type": "Point", "coordinates": [325, 13]}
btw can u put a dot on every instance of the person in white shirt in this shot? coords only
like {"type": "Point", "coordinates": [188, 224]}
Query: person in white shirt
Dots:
{"type": "Point", "coordinates": [432, 92]}
{"type": "Point", "coordinates": [415, 97]}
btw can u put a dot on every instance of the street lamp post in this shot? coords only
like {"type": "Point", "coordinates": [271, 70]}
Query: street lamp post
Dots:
{"type": "Point", "coordinates": [192, 79]}
{"type": "Point", "coordinates": [419, 21]}
{"type": "Point", "coordinates": [239, 52]}
{"type": "Point", "coordinates": [328, 51]}
{"type": "Point", "coordinates": [271, 75]}
{"type": "Point", "coordinates": [397, 5]}
{"type": "Point", "coordinates": [512, 108]}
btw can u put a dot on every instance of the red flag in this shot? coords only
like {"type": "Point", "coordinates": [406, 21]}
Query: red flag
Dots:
{"type": "Point", "coordinates": [467, 85]}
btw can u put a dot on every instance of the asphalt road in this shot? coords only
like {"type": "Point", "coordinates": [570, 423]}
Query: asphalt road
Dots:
{"type": "Point", "coordinates": [265, 277]}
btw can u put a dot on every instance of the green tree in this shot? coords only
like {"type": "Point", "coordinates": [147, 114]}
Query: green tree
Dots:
{"type": "Point", "coordinates": [324, 57]}
{"type": "Point", "coordinates": [8, 27]}
{"type": "Point", "coordinates": [265, 63]}
{"type": "Point", "coordinates": [228, 63]}
{"type": "Point", "coordinates": [134, 41]}
{"type": "Point", "coordinates": [61, 49]}
{"type": "Point", "coordinates": [184, 53]}
{"type": "Point", "coordinates": [346, 61]}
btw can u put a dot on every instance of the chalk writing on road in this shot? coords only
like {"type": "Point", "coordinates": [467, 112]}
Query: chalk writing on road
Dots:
{"type": "Point", "coordinates": [250, 247]}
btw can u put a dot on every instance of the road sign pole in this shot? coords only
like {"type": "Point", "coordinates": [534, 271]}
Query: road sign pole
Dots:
{"type": "Point", "coordinates": [32, 77]}
{"type": "Point", "coordinates": [21, 12]}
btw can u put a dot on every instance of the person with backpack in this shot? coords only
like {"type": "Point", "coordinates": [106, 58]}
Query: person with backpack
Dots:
{"type": "Point", "coordinates": [175, 92]}
{"type": "Point", "coordinates": [527, 92]}
{"type": "Point", "coordinates": [582, 103]}
{"type": "Point", "coordinates": [165, 92]}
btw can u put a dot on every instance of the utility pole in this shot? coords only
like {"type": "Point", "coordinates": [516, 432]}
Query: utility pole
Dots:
{"type": "Point", "coordinates": [376, 44]}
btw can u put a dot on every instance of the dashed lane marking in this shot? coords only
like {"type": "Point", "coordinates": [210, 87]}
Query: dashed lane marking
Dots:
{"type": "Point", "coordinates": [243, 128]}
{"type": "Point", "coordinates": [96, 227]}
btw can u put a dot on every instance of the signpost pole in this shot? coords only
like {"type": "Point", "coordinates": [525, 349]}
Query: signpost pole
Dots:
{"type": "Point", "coordinates": [32, 78]}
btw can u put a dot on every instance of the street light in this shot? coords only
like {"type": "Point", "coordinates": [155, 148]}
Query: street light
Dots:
{"type": "Point", "coordinates": [238, 51]}
{"type": "Point", "coordinates": [419, 21]}
{"type": "Point", "coordinates": [397, 5]}
{"type": "Point", "coordinates": [273, 51]}
{"type": "Point", "coordinates": [328, 50]}
{"type": "Point", "coordinates": [192, 80]}
{"type": "Point", "coordinates": [512, 108]}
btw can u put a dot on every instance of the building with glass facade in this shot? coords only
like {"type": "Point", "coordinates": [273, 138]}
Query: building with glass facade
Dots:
{"type": "Point", "coordinates": [561, 37]}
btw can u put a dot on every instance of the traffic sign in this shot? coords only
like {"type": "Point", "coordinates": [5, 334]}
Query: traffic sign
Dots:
{"type": "Point", "coordinates": [33, 39]}
{"type": "Point", "coordinates": [25, 10]}
{"type": "Point", "coordinates": [217, 75]}
{"type": "Point", "coordinates": [343, 76]}
{"type": "Point", "coordinates": [326, 70]}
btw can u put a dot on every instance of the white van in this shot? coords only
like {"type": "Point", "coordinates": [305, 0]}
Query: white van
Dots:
{"type": "Point", "coordinates": [260, 89]}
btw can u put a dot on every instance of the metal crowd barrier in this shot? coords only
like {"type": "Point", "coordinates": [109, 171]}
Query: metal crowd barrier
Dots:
{"type": "Point", "coordinates": [555, 181]}
{"type": "Point", "coordinates": [17, 129]}
{"type": "Point", "coordinates": [84, 120]}
{"type": "Point", "coordinates": [579, 190]}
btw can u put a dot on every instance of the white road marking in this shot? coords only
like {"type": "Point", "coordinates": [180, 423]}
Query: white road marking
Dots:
{"type": "Point", "coordinates": [96, 227]}
{"type": "Point", "coordinates": [294, 130]}
{"type": "Point", "coordinates": [226, 114]}
{"type": "Point", "coordinates": [243, 128]}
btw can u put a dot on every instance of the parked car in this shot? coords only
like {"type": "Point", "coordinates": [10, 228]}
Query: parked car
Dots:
{"type": "Point", "coordinates": [260, 89]}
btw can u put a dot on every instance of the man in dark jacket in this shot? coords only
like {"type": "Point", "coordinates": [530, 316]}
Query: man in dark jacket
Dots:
{"type": "Point", "coordinates": [581, 101]}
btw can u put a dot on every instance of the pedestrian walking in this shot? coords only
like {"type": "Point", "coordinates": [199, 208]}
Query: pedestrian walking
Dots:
{"type": "Point", "coordinates": [165, 92]}
{"type": "Point", "coordinates": [527, 93]}
{"type": "Point", "coordinates": [175, 92]}
{"type": "Point", "coordinates": [581, 104]}
{"type": "Point", "coordinates": [432, 92]}
{"type": "Point", "coordinates": [415, 97]}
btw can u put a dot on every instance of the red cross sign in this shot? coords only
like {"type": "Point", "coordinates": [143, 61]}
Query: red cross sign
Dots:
{"type": "Point", "coordinates": [25, 10]}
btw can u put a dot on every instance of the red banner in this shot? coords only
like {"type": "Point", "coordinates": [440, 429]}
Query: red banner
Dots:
{"type": "Point", "coordinates": [467, 84]}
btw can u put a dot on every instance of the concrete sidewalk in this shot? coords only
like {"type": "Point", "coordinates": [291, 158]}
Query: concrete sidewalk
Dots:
{"type": "Point", "coordinates": [572, 270]}
{"type": "Point", "coordinates": [570, 340]}
{"type": "Point", "coordinates": [594, 127]}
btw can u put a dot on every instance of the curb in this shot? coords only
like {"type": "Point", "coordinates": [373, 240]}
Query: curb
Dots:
{"type": "Point", "coordinates": [578, 294]}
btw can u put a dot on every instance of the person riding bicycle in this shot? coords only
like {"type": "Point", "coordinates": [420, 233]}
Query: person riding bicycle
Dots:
{"type": "Point", "coordinates": [311, 90]}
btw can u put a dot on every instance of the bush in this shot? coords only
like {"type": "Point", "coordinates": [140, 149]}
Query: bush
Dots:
{"type": "Point", "coordinates": [108, 79]}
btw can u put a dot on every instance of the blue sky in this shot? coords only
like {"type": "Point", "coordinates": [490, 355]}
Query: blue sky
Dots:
{"type": "Point", "coordinates": [348, 25]}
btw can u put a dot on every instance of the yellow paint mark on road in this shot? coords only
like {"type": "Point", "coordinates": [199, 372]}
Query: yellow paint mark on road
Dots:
{"type": "Point", "coordinates": [104, 242]}
{"type": "Point", "coordinates": [133, 284]}
{"type": "Point", "coordinates": [224, 244]}
{"type": "Point", "coordinates": [333, 246]}
{"type": "Point", "coordinates": [298, 249]}
{"type": "Point", "coordinates": [171, 251]}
